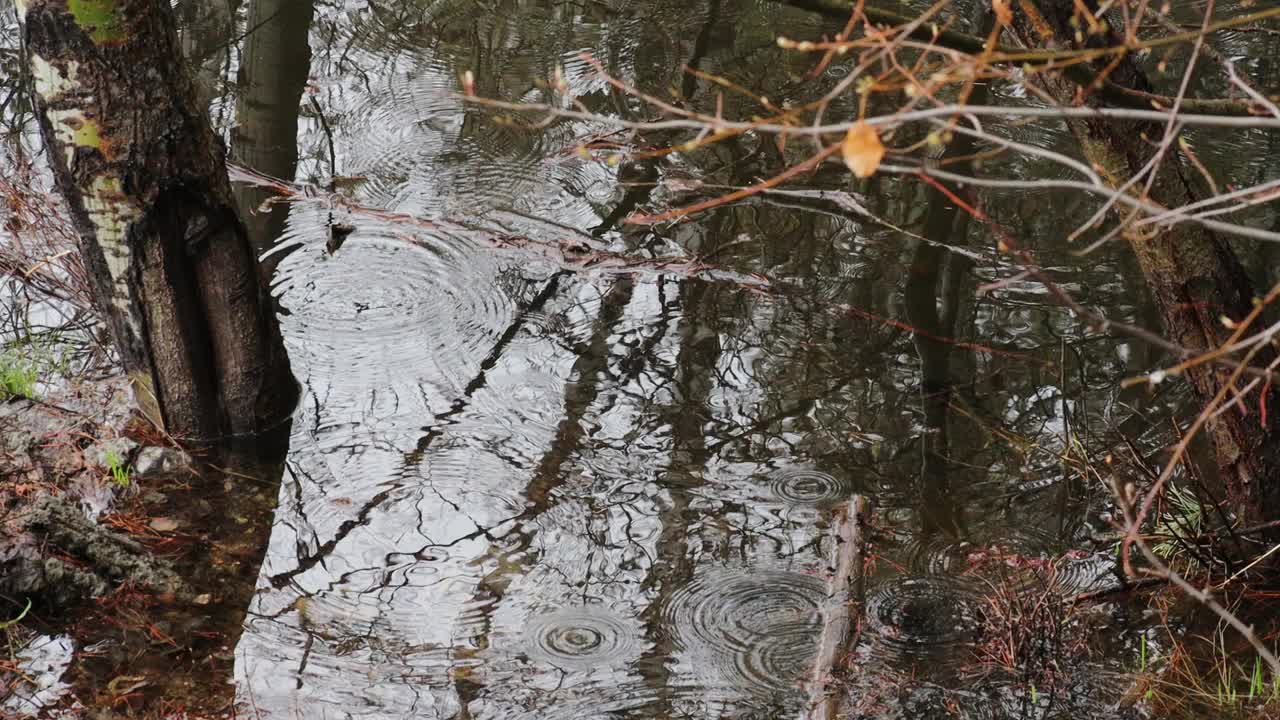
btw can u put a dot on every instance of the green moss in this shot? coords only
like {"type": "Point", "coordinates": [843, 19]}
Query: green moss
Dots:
{"type": "Point", "coordinates": [87, 135]}
{"type": "Point", "coordinates": [98, 18]}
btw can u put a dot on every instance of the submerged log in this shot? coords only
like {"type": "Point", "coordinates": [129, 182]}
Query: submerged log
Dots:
{"type": "Point", "coordinates": [840, 614]}
{"type": "Point", "coordinates": [145, 181]}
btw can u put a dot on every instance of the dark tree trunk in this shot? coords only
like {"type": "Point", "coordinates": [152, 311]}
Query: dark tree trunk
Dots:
{"type": "Point", "coordinates": [1193, 275]}
{"type": "Point", "coordinates": [273, 74]}
{"type": "Point", "coordinates": [143, 175]}
{"type": "Point", "coordinates": [932, 299]}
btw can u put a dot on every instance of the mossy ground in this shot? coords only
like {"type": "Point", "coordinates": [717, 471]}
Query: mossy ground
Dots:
{"type": "Point", "coordinates": [170, 566]}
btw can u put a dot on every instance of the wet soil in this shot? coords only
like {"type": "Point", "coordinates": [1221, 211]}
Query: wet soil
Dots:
{"type": "Point", "coordinates": [152, 590]}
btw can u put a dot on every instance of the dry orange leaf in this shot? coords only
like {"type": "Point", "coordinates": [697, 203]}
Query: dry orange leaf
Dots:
{"type": "Point", "coordinates": [862, 149]}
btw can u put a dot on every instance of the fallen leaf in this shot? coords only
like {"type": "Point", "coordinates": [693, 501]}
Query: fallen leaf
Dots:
{"type": "Point", "coordinates": [164, 524]}
{"type": "Point", "coordinates": [125, 684]}
{"type": "Point", "coordinates": [862, 149]}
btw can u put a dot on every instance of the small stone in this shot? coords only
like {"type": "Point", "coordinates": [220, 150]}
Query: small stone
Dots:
{"type": "Point", "coordinates": [104, 453]}
{"type": "Point", "coordinates": [157, 460]}
{"type": "Point", "coordinates": [202, 599]}
{"type": "Point", "coordinates": [164, 524]}
{"type": "Point", "coordinates": [95, 496]}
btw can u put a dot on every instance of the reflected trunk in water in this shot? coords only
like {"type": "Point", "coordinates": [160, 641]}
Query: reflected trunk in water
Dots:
{"type": "Point", "coordinates": [273, 74]}
{"type": "Point", "coordinates": [1194, 277]}
{"type": "Point", "coordinates": [516, 501]}
{"type": "Point", "coordinates": [673, 565]}
{"type": "Point", "coordinates": [937, 277]}
{"type": "Point", "coordinates": [934, 296]}
{"type": "Point", "coordinates": [581, 392]}
{"type": "Point", "coordinates": [206, 30]}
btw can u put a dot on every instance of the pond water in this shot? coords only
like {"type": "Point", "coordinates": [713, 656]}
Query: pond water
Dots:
{"type": "Point", "coordinates": [522, 489]}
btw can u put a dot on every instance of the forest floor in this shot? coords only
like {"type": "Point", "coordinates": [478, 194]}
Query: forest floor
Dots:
{"type": "Point", "coordinates": [125, 563]}
{"type": "Point", "coordinates": [115, 558]}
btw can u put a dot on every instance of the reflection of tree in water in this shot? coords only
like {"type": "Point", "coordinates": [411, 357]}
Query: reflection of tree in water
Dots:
{"type": "Point", "coordinates": [674, 392]}
{"type": "Point", "coordinates": [514, 552]}
{"type": "Point", "coordinates": [698, 383]}
{"type": "Point", "coordinates": [205, 34]}
{"type": "Point", "coordinates": [272, 75]}
{"type": "Point", "coordinates": [933, 301]}
{"type": "Point", "coordinates": [672, 564]}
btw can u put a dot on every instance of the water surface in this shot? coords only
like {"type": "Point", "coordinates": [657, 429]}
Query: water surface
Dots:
{"type": "Point", "coordinates": [516, 490]}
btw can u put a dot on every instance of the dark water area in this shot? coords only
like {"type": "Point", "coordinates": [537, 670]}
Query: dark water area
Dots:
{"type": "Point", "coordinates": [516, 489]}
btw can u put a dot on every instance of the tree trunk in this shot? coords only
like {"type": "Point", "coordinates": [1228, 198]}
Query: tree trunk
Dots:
{"type": "Point", "coordinates": [273, 74]}
{"type": "Point", "coordinates": [145, 181]}
{"type": "Point", "coordinates": [1194, 276]}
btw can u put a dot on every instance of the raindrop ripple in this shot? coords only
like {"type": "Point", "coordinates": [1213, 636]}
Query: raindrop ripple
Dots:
{"type": "Point", "coordinates": [804, 486]}
{"type": "Point", "coordinates": [925, 616]}
{"type": "Point", "coordinates": [757, 629]}
{"type": "Point", "coordinates": [580, 638]}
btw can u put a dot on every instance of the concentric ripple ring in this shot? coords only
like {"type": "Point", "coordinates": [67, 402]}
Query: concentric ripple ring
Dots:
{"type": "Point", "coordinates": [582, 638]}
{"type": "Point", "coordinates": [755, 630]}
{"type": "Point", "coordinates": [805, 486]}
{"type": "Point", "coordinates": [921, 616]}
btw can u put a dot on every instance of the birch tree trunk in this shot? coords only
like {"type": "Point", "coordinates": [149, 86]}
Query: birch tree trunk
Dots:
{"type": "Point", "coordinates": [145, 181]}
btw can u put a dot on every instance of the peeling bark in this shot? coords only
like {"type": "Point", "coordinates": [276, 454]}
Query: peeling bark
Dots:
{"type": "Point", "coordinates": [144, 177]}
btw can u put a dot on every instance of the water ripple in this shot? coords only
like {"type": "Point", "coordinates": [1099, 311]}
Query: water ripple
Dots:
{"type": "Point", "coordinates": [582, 638]}
{"type": "Point", "coordinates": [804, 486]}
{"type": "Point", "coordinates": [383, 307]}
{"type": "Point", "coordinates": [918, 617]}
{"type": "Point", "coordinates": [757, 629]}
{"type": "Point", "coordinates": [1085, 574]}
{"type": "Point", "coordinates": [937, 554]}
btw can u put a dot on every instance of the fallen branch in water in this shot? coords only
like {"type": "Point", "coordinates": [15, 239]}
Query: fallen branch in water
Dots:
{"type": "Point", "coordinates": [841, 614]}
